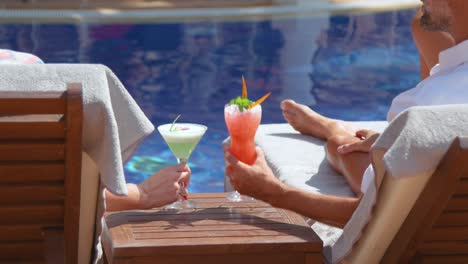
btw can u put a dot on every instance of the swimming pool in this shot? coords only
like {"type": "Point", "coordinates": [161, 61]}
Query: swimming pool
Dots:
{"type": "Point", "coordinates": [343, 66]}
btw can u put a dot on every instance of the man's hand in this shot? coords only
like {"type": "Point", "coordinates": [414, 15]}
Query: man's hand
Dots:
{"type": "Point", "coordinates": [164, 187]}
{"type": "Point", "coordinates": [256, 181]}
{"type": "Point", "coordinates": [368, 137]}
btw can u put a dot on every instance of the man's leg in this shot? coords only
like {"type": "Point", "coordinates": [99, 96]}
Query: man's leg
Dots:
{"type": "Point", "coordinates": [336, 133]}
{"type": "Point", "coordinates": [351, 165]}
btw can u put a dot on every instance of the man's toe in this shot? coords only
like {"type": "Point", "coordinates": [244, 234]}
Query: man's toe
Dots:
{"type": "Point", "coordinates": [287, 104]}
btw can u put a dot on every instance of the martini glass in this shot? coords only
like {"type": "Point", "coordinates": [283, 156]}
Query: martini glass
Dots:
{"type": "Point", "coordinates": [182, 138]}
{"type": "Point", "coordinates": [242, 126]}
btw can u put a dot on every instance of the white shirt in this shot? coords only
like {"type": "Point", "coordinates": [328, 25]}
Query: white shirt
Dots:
{"type": "Point", "coordinates": [447, 84]}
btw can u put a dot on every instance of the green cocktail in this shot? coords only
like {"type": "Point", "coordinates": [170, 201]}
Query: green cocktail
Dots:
{"type": "Point", "coordinates": [182, 149]}
{"type": "Point", "coordinates": [182, 138]}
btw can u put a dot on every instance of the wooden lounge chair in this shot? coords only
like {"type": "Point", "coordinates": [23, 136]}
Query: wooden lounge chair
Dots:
{"type": "Point", "coordinates": [416, 219]}
{"type": "Point", "coordinates": [40, 170]}
{"type": "Point", "coordinates": [436, 228]}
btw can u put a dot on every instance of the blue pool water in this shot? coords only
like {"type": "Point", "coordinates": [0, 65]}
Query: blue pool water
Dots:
{"type": "Point", "coordinates": [344, 66]}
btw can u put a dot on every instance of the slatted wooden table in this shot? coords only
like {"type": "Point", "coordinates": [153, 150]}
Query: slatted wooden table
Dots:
{"type": "Point", "coordinates": [218, 232]}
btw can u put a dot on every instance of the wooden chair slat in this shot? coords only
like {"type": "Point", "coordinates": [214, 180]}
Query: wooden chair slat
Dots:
{"type": "Point", "coordinates": [447, 234]}
{"type": "Point", "coordinates": [444, 247]}
{"type": "Point", "coordinates": [31, 215]}
{"type": "Point", "coordinates": [37, 151]}
{"type": "Point", "coordinates": [20, 233]}
{"type": "Point", "coordinates": [54, 245]}
{"type": "Point", "coordinates": [457, 203]}
{"type": "Point", "coordinates": [452, 219]}
{"type": "Point", "coordinates": [29, 261]}
{"type": "Point", "coordinates": [462, 188]}
{"type": "Point", "coordinates": [43, 106]}
{"type": "Point", "coordinates": [31, 194]}
{"type": "Point", "coordinates": [32, 130]}
{"type": "Point", "coordinates": [452, 259]}
{"type": "Point", "coordinates": [22, 250]}
{"type": "Point", "coordinates": [31, 172]}
{"type": "Point", "coordinates": [273, 258]}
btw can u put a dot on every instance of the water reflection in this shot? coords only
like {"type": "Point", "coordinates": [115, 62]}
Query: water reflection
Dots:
{"type": "Point", "coordinates": [362, 62]}
{"type": "Point", "coordinates": [347, 66]}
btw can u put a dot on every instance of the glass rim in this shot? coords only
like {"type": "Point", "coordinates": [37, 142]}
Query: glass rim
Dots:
{"type": "Point", "coordinates": [192, 124]}
{"type": "Point", "coordinates": [245, 110]}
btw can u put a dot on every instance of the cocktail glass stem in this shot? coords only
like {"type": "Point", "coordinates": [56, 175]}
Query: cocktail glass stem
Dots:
{"type": "Point", "coordinates": [182, 203]}
{"type": "Point", "coordinates": [235, 196]}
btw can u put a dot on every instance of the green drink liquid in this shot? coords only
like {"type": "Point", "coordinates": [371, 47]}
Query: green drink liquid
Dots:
{"type": "Point", "coordinates": [183, 138]}
{"type": "Point", "coordinates": [182, 150]}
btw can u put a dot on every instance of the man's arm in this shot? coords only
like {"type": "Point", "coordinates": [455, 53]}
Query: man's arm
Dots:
{"type": "Point", "coordinates": [259, 182]}
{"type": "Point", "coordinates": [328, 209]}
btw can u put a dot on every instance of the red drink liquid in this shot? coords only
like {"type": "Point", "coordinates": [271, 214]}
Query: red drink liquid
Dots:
{"type": "Point", "coordinates": [242, 127]}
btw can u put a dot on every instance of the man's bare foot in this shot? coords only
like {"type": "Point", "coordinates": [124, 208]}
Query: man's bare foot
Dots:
{"type": "Point", "coordinates": [305, 120]}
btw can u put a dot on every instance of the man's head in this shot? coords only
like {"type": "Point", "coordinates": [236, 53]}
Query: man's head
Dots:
{"type": "Point", "coordinates": [437, 15]}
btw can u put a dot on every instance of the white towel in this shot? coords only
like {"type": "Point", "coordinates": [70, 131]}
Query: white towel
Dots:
{"type": "Point", "coordinates": [418, 138]}
{"type": "Point", "coordinates": [113, 123]}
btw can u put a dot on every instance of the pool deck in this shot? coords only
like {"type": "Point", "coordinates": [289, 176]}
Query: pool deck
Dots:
{"type": "Point", "coordinates": [151, 10]}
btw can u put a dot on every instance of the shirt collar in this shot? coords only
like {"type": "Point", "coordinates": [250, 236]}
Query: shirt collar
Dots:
{"type": "Point", "coordinates": [454, 56]}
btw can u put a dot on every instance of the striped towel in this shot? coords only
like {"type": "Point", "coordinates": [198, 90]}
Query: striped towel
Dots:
{"type": "Point", "coordinates": [15, 57]}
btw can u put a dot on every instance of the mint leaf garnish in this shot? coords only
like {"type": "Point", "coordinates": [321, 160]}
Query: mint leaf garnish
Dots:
{"type": "Point", "coordinates": [242, 103]}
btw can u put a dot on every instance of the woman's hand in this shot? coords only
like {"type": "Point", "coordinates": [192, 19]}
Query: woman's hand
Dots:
{"type": "Point", "coordinates": [164, 187]}
{"type": "Point", "coordinates": [368, 138]}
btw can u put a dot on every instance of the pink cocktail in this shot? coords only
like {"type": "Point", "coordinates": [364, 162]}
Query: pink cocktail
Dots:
{"type": "Point", "coordinates": [242, 118]}
{"type": "Point", "coordinates": [242, 126]}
